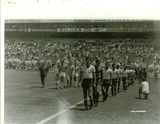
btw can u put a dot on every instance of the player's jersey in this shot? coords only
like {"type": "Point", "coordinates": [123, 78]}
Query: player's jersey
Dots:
{"type": "Point", "coordinates": [88, 72]}
{"type": "Point", "coordinates": [120, 72]}
{"type": "Point", "coordinates": [107, 73]}
{"type": "Point", "coordinates": [98, 72]}
{"type": "Point", "coordinates": [124, 73]}
{"type": "Point", "coordinates": [115, 74]}
{"type": "Point", "coordinates": [63, 68]}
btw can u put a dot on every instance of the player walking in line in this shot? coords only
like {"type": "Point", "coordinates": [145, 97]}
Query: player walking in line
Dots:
{"type": "Point", "coordinates": [76, 71]}
{"type": "Point", "coordinates": [43, 73]}
{"type": "Point", "coordinates": [106, 78]}
{"type": "Point", "coordinates": [119, 76]}
{"type": "Point", "coordinates": [124, 77]}
{"type": "Point", "coordinates": [156, 74]}
{"type": "Point", "coordinates": [97, 89]}
{"type": "Point", "coordinates": [81, 73]}
{"type": "Point", "coordinates": [62, 74]}
{"type": "Point", "coordinates": [89, 80]}
{"type": "Point", "coordinates": [130, 76]}
{"type": "Point", "coordinates": [115, 76]}
{"type": "Point", "coordinates": [69, 74]}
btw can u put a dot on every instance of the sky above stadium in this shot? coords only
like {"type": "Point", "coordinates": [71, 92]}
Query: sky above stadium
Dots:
{"type": "Point", "coordinates": [81, 9]}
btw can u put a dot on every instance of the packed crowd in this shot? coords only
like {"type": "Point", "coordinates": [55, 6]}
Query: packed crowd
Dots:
{"type": "Point", "coordinates": [26, 54]}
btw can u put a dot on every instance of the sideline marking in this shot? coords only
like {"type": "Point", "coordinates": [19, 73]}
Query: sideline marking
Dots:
{"type": "Point", "coordinates": [55, 115]}
{"type": "Point", "coordinates": [139, 111]}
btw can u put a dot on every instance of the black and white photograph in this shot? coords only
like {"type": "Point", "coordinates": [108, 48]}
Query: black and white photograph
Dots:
{"type": "Point", "coordinates": [80, 62]}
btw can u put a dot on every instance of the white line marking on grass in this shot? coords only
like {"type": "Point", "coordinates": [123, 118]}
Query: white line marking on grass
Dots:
{"type": "Point", "coordinates": [139, 111]}
{"type": "Point", "coordinates": [57, 114]}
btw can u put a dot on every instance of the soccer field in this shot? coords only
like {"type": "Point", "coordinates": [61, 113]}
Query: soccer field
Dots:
{"type": "Point", "coordinates": [27, 103]}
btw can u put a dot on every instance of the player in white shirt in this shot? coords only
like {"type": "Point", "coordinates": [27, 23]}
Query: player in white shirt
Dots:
{"type": "Point", "coordinates": [89, 80]}
{"type": "Point", "coordinates": [69, 74]}
{"type": "Point", "coordinates": [124, 77]}
{"type": "Point", "coordinates": [119, 76]}
{"type": "Point", "coordinates": [76, 71]}
{"type": "Point", "coordinates": [115, 76]}
{"type": "Point", "coordinates": [62, 74]}
{"type": "Point", "coordinates": [106, 78]}
{"type": "Point", "coordinates": [144, 89]}
{"type": "Point", "coordinates": [130, 76]}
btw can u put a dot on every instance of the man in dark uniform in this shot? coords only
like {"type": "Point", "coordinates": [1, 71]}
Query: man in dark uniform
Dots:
{"type": "Point", "coordinates": [43, 73]}
{"type": "Point", "coordinates": [96, 90]}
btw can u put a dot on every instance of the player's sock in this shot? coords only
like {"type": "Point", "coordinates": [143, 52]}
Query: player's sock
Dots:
{"type": "Point", "coordinates": [91, 104]}
{"type": "Point", "coordinates": [86, 105]}
{"type": "Point", "coordinates": [97, 99]}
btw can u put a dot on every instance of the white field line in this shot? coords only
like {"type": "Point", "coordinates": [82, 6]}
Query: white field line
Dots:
{"type": "Point", "coordinates": [57, 114]}
{"type": "Point", "coordinates": [139, 111]}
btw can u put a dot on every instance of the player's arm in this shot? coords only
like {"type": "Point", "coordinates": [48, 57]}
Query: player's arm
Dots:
{"type": "Point", "coordinates": [101, 75]}
{"type": "Point", "coordinates": [94, 77]}
{"type": "Point", "coordinates": [118, 75]}
{"type": "Point", "coordinates": [111, 77]}
{"type": "Point", "coordinates": [73, 71]}
{"type": "Point", "coordinates": [59, 70]}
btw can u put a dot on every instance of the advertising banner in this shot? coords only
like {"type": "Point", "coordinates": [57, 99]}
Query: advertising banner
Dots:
{"type": "Point", "coordinates": [73, 29]}
{"type": "Point", "coordinates": [43, 30]}
{"type": "Point", "coordinates": [98, 29]}
{"type": "Point", "coordinates": [83, 30]}
{"type": "Point", "coordinates": [131, 29]}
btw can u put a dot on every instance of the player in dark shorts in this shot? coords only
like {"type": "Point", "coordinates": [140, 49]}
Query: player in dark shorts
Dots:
{"type": "Point", "coordinates": [76, 71]}
{"type": "Point", "coordinates": [43, 73]}
{"type": "Point", "coordinates": [69, 74]}
{"type": "Point", "coordinates": [130, 76]}
{"type": "Point", "coordinates": [89, 80]}
{"type": "Point", "coordinates": [119, 77]}
{"type": "Point", "coordinates": [106, 77]}
{"type": "Point", "coordinates": [115, 76]}
{"type": "Point", "coordinates": [97, 89]}
{"type": "Point", "coordinates": [124, 77]}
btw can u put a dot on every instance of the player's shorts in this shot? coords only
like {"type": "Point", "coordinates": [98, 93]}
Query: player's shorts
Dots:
{"type": "Point", "coordinates": [86, 83]}
{"type": "Point", "coordinates": [98, 81]}
{"type": "Point", "coordinates": [62, 75]}
{"type": "Point", "coordinates": [106, 82]}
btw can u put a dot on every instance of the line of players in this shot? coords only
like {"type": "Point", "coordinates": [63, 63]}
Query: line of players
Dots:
{"type": "Point", "coordinates": [110, 75]}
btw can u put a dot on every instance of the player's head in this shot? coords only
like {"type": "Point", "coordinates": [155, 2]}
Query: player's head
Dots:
{"type": "Point", "coordinates": [113, 66]}
{"type": "Point", "coordinates": [143, 79]}
{"type": "Point", "coordinates": [106, 64]}
{"type": "Point", "coordinates": [117, 66]}
{"type": "Point", "coordinates": [43, 64]}
{"type": "Point", "coordinates": [88, 60]}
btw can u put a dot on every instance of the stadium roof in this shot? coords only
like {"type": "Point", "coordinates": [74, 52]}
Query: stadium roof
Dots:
{"type": "Point", "coordinates": [72, 21]}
